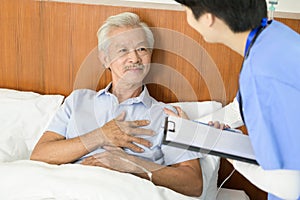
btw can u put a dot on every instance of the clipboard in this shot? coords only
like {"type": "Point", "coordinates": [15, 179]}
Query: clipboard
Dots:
{"type": "Point", "coordinates": [200, 137]}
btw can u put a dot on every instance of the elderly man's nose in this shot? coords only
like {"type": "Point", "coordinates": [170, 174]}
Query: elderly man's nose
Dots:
{"type": "Point", "coordinates": [134, 56]}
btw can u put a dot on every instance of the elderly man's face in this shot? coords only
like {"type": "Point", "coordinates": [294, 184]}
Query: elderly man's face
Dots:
{"type": "Point", "coordinates": [129, 55]}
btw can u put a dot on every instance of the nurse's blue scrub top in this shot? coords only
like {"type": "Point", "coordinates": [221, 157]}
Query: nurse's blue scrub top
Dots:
{"type": "Point", "coordinates": [270, 89]}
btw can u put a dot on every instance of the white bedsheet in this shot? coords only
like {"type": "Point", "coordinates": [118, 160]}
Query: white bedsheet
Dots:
{"type": "Point", "coordinates": [32, 180]}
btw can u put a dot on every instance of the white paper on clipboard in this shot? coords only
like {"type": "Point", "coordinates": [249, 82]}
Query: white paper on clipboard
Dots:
{"type": "Point", "coordinates": [184, 133]}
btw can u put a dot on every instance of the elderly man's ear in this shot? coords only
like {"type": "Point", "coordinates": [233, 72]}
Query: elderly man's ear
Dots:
{"type": "Point", "coordinates": [103, 59]}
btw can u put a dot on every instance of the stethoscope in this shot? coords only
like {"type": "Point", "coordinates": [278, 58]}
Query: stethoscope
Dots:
{"type": "Point", "coordinates": [250, 41]}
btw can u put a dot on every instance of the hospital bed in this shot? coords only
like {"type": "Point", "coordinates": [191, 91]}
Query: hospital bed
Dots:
{"type": "Point", "coordinates": [25, 116]}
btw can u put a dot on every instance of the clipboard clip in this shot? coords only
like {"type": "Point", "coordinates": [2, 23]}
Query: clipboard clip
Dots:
{"type": "Point", "coordinates": [169, 126]}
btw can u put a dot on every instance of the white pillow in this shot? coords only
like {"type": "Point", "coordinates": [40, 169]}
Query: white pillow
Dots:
{"type": "Point", "coordinates": [24, 117]}
{"type": "Point", "coordinates": [209, 164]}
{"type": "Point", "coordinates": [196, 110]}
{"type": "Point", "coordinates": [229, 114]}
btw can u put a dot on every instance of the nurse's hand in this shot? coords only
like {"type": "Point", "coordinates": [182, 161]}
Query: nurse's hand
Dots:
{"type": "Point", "coordinates": [218, 125]}
{"type": "Point", "coordinates": [180, 112]}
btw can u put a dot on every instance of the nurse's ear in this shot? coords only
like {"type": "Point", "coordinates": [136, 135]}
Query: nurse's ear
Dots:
{"type": "Point", "coordinates": [208, 19]}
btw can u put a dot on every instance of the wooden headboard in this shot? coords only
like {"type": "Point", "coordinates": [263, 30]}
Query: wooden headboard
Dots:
{"type": "Point", "coordinates": [49, 48]}
{"type": "Point", "coordinates": [45, 43]}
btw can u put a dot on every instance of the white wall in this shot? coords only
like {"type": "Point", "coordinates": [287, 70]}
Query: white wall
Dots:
{"type": "Point", "coordinates": [283, 5]}
{"type": "Point", "coordinates": [285, 8]}
{"type": "Point", "coordinates": [292, 6]}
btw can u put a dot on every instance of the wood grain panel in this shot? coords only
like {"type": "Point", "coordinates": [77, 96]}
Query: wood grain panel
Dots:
{"type": "Point", "coordinates": [20, 38]}
{"type": "Point", "coordinates": [53, 39]}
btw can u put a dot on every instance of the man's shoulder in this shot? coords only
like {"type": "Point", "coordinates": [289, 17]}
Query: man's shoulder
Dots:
{"type": "Point", "coordinates": [82, 93]}
{"type": "Point", "coordinates": [162, 104]}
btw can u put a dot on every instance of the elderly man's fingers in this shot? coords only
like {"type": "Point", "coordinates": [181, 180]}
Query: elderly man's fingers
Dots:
{"type": "Point", "coordinates": [93, 161]}
{"type": "Point", "coordinates": [135, 148]}
{"type": "Point", "coordinates": [112, 148]}
{"type": "Point", "coordinates": [86, 161]}
{"type": "Point", "coordinates": [137, 123]}
{"type": "Point", "coordinates": [100, 160]}
{"type": "Point", "coordinates": [140, 141]}
{"type": "Point", "coordinates": [141, 131]}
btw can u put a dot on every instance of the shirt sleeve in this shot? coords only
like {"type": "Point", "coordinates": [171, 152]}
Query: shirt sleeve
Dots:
{"type": "Point", "coordinates": [61, 118]}
{"type": "Point", "coordinates": [173, 155]}
{"type": "Point", "coordinates": [284, 184]}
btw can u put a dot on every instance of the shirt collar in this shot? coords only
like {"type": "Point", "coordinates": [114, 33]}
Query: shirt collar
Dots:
{"type": "Point", "coordinates": [105, 90]}
{"type": "Point", "coordinates": [144, 97]}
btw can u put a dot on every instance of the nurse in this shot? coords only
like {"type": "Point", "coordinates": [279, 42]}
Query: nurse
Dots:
{"type": "Point", "coordinates": [269, 93]}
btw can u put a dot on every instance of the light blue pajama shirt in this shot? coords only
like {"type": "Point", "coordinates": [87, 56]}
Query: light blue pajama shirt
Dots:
{"type": "Point", "coordinates": [85, 110]}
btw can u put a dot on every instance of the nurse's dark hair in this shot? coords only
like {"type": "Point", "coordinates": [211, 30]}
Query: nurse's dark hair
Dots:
{"type": "Point", "coordinates": [239, 15]}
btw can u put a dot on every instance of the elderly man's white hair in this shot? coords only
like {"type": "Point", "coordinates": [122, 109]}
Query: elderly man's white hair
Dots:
{"type": "Point", "coordinates": [126, 19]}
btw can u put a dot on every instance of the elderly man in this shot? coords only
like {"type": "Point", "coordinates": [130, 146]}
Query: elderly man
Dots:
{"type": "Point", "coordinates": [120, 126]}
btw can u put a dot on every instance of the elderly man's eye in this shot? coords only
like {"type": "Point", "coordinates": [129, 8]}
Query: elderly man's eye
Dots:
{"type": "Point", "coordinates": [141, 49]}
{"type": "Point", "coordinates": [124, 50]}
